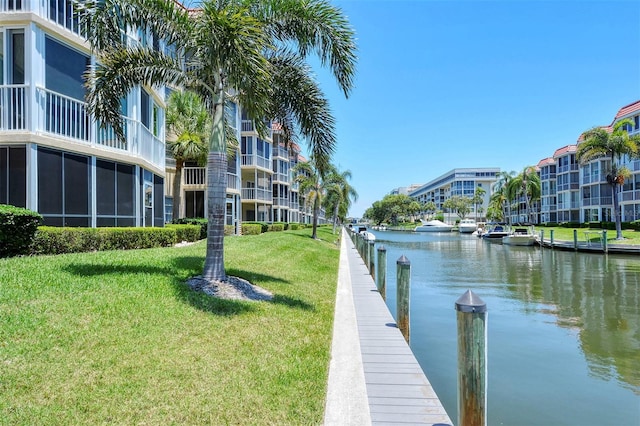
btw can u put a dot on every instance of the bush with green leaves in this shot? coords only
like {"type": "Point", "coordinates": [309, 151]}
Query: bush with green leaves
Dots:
{"type": "Point", "coordinates": [294, 226]}
{"type": "Point", "coordinates": [276, 227]}
{"type": "Point", "coordinates": [202, 222]}
{"type": "Point", "coordinates": [17, 229]}
{"type": "Point", "coordinates": [189, 233]}
{"type": "Point", "coordinates": [54, 240]}
{"type": "Point", "coordinates": [251, 229]}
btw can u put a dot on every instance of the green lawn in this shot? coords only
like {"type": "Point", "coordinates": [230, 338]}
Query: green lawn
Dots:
{"type": "Point", "coordinates": [566, 234]}
{"type": "Point", "coordinates": [117, 337]}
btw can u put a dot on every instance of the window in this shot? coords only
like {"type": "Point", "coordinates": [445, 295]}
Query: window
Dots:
{"type": "Point", "coordinates": [637, 122]}
{"type": "Point", "coordinates": [145, 107]}
{"type": "Point", "coordinates": [13, 176]}
{"type": "Point", "coordinates": [64, 69]}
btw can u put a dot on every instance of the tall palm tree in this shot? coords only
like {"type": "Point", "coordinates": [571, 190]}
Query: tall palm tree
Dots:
{"type": "Point", "coordinates": [312, 188]}
{"type": "Point", "coordinates": [477, 200]}
{"type": "Point", "coordinates": [501, 186]}
{"type": "Point", "coordinates": [187, 122]}
{"type": "Point", "coordinates": [612, 144]}
{"type": "Point", "coordinates": [244, 51]}
{"type": "Point", "coordinates": [341, 193]}
{"type": "Point", "coordinates": [526, 184]}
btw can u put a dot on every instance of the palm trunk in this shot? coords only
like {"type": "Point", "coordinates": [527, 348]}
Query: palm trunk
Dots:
{"type": "Point", "coordinates": [316, 212]}
{"type": "Point", "coordinates": [335, 218]}
{"type": "Point", "coordinates": [216, 197]}
{"type": "Point", "coordinates": [177, 185]}
{"type": "Point", "coordinates": [616, 211]}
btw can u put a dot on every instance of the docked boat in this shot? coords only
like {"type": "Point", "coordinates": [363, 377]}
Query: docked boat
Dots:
{"type": "Point", "coordinates": [467, 226]}
{"type": "Point", "coordinates": [433, 226]}
{"type": "Point", "coordinates": [520, 237]}
{"type": "Point", "coordinates": [368, 236]}
{"type": "Point", "coordinates": [495, 232]}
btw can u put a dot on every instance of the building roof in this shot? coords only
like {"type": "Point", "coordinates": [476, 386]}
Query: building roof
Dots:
{"type": "Point", "coordinates": [628, 109]}
{"type": "Point", "coordinates": [546, 162]}
{"type": "Point", "coordinates": [565, 150]}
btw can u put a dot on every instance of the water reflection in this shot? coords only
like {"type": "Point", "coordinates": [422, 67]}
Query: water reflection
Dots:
{"type": "Point", "coordinates": [593, 297]}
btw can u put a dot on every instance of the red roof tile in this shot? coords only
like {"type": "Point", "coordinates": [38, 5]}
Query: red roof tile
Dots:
{"type": "Point", "coordinates": [546, 161]}
{"type": "Point", "coordinates": [628, 109]}
{"type": "Point", "coordinates": [564, 150]}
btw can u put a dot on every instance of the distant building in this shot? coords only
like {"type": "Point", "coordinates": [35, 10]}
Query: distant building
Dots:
{"type": "Point", "coordinates": [405, 190]}
{"type": "Point", "coordinates": [462, 182]}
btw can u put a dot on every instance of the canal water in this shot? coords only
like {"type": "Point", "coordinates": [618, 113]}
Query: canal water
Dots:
{"type": "Point", "coordinates": [563, 327]}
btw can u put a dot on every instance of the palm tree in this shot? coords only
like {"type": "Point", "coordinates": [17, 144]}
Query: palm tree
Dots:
{"type": "Point", "coordinates": [501, 186]}
{"type": "Point", "coordinates": [477, 200]}
{"type": "Point", "coordinates": [187, 122]}
{"type": "Point", "coordinates": [526, 184]}
{"type": "Point", "coordinates": [312, 188]}
{"type": "Point", "coordinates": [613, 144]}
{"type": "Point", "coordinates": [243, 51]}
{"type": "Point", "coordinates": [341, 193]}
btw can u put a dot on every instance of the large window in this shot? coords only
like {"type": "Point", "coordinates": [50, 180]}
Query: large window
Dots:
{"type": "Point", "coordinates": [13, 176]}
{"type": "Point", "coordinates": [63, 188]}
{"type": "Point", "coordinates": [64, 68]}
{"type": "Point", "coordinates": [115, 194]}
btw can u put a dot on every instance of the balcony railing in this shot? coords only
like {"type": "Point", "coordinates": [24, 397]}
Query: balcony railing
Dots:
{"type": "Point", "coordinates": [281, 177]}
{"type": "Point", "coordinates": [64, 13]}
{"type": "Point", "coordinates": [194, 176]}
{"type": "Point", "coordinates": [256, 160]}
{"type": "Point", "coordinates": [250, 194]}
{"type": "Point", "coordinates": [67, 118]}
{"type": "Point", "coordinates": [567, 168]}
{"type": "Point", "coordinates": [282, 202]}
{"type": "Point", "coordinates": [597, 201]}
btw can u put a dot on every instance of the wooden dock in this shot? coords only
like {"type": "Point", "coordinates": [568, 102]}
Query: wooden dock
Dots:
{"type": "Point", "coordinates": [397, 390]}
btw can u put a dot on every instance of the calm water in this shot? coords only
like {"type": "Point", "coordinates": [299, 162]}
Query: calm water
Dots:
{"type": "Point", "coordinates": [563, 327]}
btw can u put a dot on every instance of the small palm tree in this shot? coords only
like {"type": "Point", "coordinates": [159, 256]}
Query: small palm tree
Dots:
{"type": "Point", "coordinates": [312, 188]}
{"type": "Point", "coordinates": [526, 184]}
{"type": "Point", "coordinates": [243, 51]}
{"type": "Point", "coordinates": [340, 192]}
{"type": "Point", "coordinates": [612, 144]}
{"type": "Point", "coordinates": [477, 200]}
{"type": "Point", "coordinates": [188, 122]}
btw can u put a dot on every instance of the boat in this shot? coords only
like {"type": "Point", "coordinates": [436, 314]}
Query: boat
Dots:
{"type": "Point", "coordinates": [520, 236]}
{"type": "Point", "coordinates": [433, 226]}
{"type": "Point", "coordinates": [368, 236]}
{"type": "Point", "coordinates": [467, 226]}
{"type": "Point", "coordinates": [494, 232]}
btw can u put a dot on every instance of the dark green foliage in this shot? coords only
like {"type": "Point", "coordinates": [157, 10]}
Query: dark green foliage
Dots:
{"type": "Point", "coordinates": [53, 240]}
{"type": "Point", "coordinates": [294, 226]}
{"type": "Point", "coordinates": [203, 223]}
{"type": "Point", "coordinates": [251, 229]}
{"type": "Point", "coordinates": [264, 227]}
{"type": "Point", "coordinates": [189, 233]}
{"type": "Point", "coordinates": [17, 229]}
{"type": "Point", "coordinates": [276, 227]}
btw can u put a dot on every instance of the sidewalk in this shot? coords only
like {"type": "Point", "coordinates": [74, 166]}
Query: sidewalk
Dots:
{"type": "Point", "coordinates": [374, 378]}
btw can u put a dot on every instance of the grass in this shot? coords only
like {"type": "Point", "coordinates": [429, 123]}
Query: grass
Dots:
{"type": "Point", "coordinates": [630, 236]}
{"type": "Point", "coordinates": [117, 337]}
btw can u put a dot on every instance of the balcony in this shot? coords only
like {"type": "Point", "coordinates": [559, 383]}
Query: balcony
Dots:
{"type": "Point", "coordinates": [248, 160]}
{"type": "Point", "coordinates": [567, 168]}
{"type": "Point", "coordinates": [281, 152]}
{"type": "Point", "coordinates": [63, 13]}
{"type": "Point", "coordinates": [66, 118]}
{"type": "Point", "coordinates": [197, 176]}
{"type": "Point", "coordinates": [256, 194]}
{"type": "Point", "coordinates": [282, 202]}
{"type": "Point", "coordinates": [281, 177]}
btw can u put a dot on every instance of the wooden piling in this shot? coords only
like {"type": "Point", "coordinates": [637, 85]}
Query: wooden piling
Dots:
{"type": "Point", "coordinates": [372, 258]}
{"type": "Point", "coordinates": [575, 239]}
{"type": "Point", "coordinates": [472, 360]}
{"type": "Point", "coordinates": [604, 241]}
{"type": "Point", "coordinates": [381, 272]}
{"type": "Point", "coordinates": [551, 237]}
{"type": "Point", "coordinates": [403, 295]}
{"type": "Point", "coordinates": [542, 237]}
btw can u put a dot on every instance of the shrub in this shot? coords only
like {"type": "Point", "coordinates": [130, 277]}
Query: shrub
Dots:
{"type": "Point", "coordinates": [229, 230]}
{"type": "Point", "coordinates": [17, 229]}
{"type": "Point", "coordinates": [53, 240]}
{"type": "Point", "coordinates": [188, 233]}
{"type": "Point", "coordinates": [202, 222]}
{"type": "Point", "coordinates": [276, 227]}
{"type": "Point", "coordinates": [263, 226]}
{"type": "Point", "coordinates": [294, 226]}
{"type": "Point", "coordinates": [251, 229]}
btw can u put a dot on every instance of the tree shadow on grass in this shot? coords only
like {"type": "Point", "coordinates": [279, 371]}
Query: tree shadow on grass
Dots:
{"type": "Point", "coordinates": [189, 266]}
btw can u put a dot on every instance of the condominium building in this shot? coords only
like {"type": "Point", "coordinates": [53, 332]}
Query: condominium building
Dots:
{"type": "Point", "coordinates": [54, 158]}
{"type": "Point", "coordinates": [460, 182]}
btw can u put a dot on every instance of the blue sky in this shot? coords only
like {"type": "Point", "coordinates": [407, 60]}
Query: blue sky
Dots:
{"type": "Point", "coordinates": [451, 84]}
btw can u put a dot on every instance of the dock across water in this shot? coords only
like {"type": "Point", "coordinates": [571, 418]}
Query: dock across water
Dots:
{"type": "Point", "coordinates": [374, 378]}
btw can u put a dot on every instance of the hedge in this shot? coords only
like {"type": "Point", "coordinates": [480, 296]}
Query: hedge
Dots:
{"type": "Point", "coordinates": [189, 233]}
{"type": "Point", "coordinates": [251, 229]}
{"type": "Point", "coordinates": [17, 229]}
{"type": "Point", "coordinates": [201, 222]}
{"type": "Point", "coordinates": [54, 240]}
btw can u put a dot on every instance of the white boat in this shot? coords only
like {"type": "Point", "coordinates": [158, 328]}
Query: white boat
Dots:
{"type": "Point", "coordinates": [520, 237]}
{"type": "Point", "coordinates": [495, 232]}
{"type": "Point", "coordinates": [368, 236]}
{"type": "Point", "coordinates": [467, 226]}
{"type": "Point", "coordinates": [433, 226]}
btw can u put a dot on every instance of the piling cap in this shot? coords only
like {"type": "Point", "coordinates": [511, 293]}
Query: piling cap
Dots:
{"type": "Point", "coordinates": [403, 261]}
{"type": "Point", "coordinates": [470, 302]}
{"type": "Point", "coordinates": [382, 248]}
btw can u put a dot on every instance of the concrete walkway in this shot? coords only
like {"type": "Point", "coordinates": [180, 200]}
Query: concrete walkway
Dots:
{"type": "Point", "coordinates": [374, 378]}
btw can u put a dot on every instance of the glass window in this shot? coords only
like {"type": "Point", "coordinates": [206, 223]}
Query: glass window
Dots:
{"type": "Point", "coordinates": [64, 68]}
{"type": "Point", "coordinates": [106, 188]}
{"type": "Point", "coordinates": [144, 108]}
{"type": "Point", "coordinates": [76, 184]}
{"type": "Point", "coordinates": [49, 181]}
{"type": "Point", "coordinates": [125, 191]}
